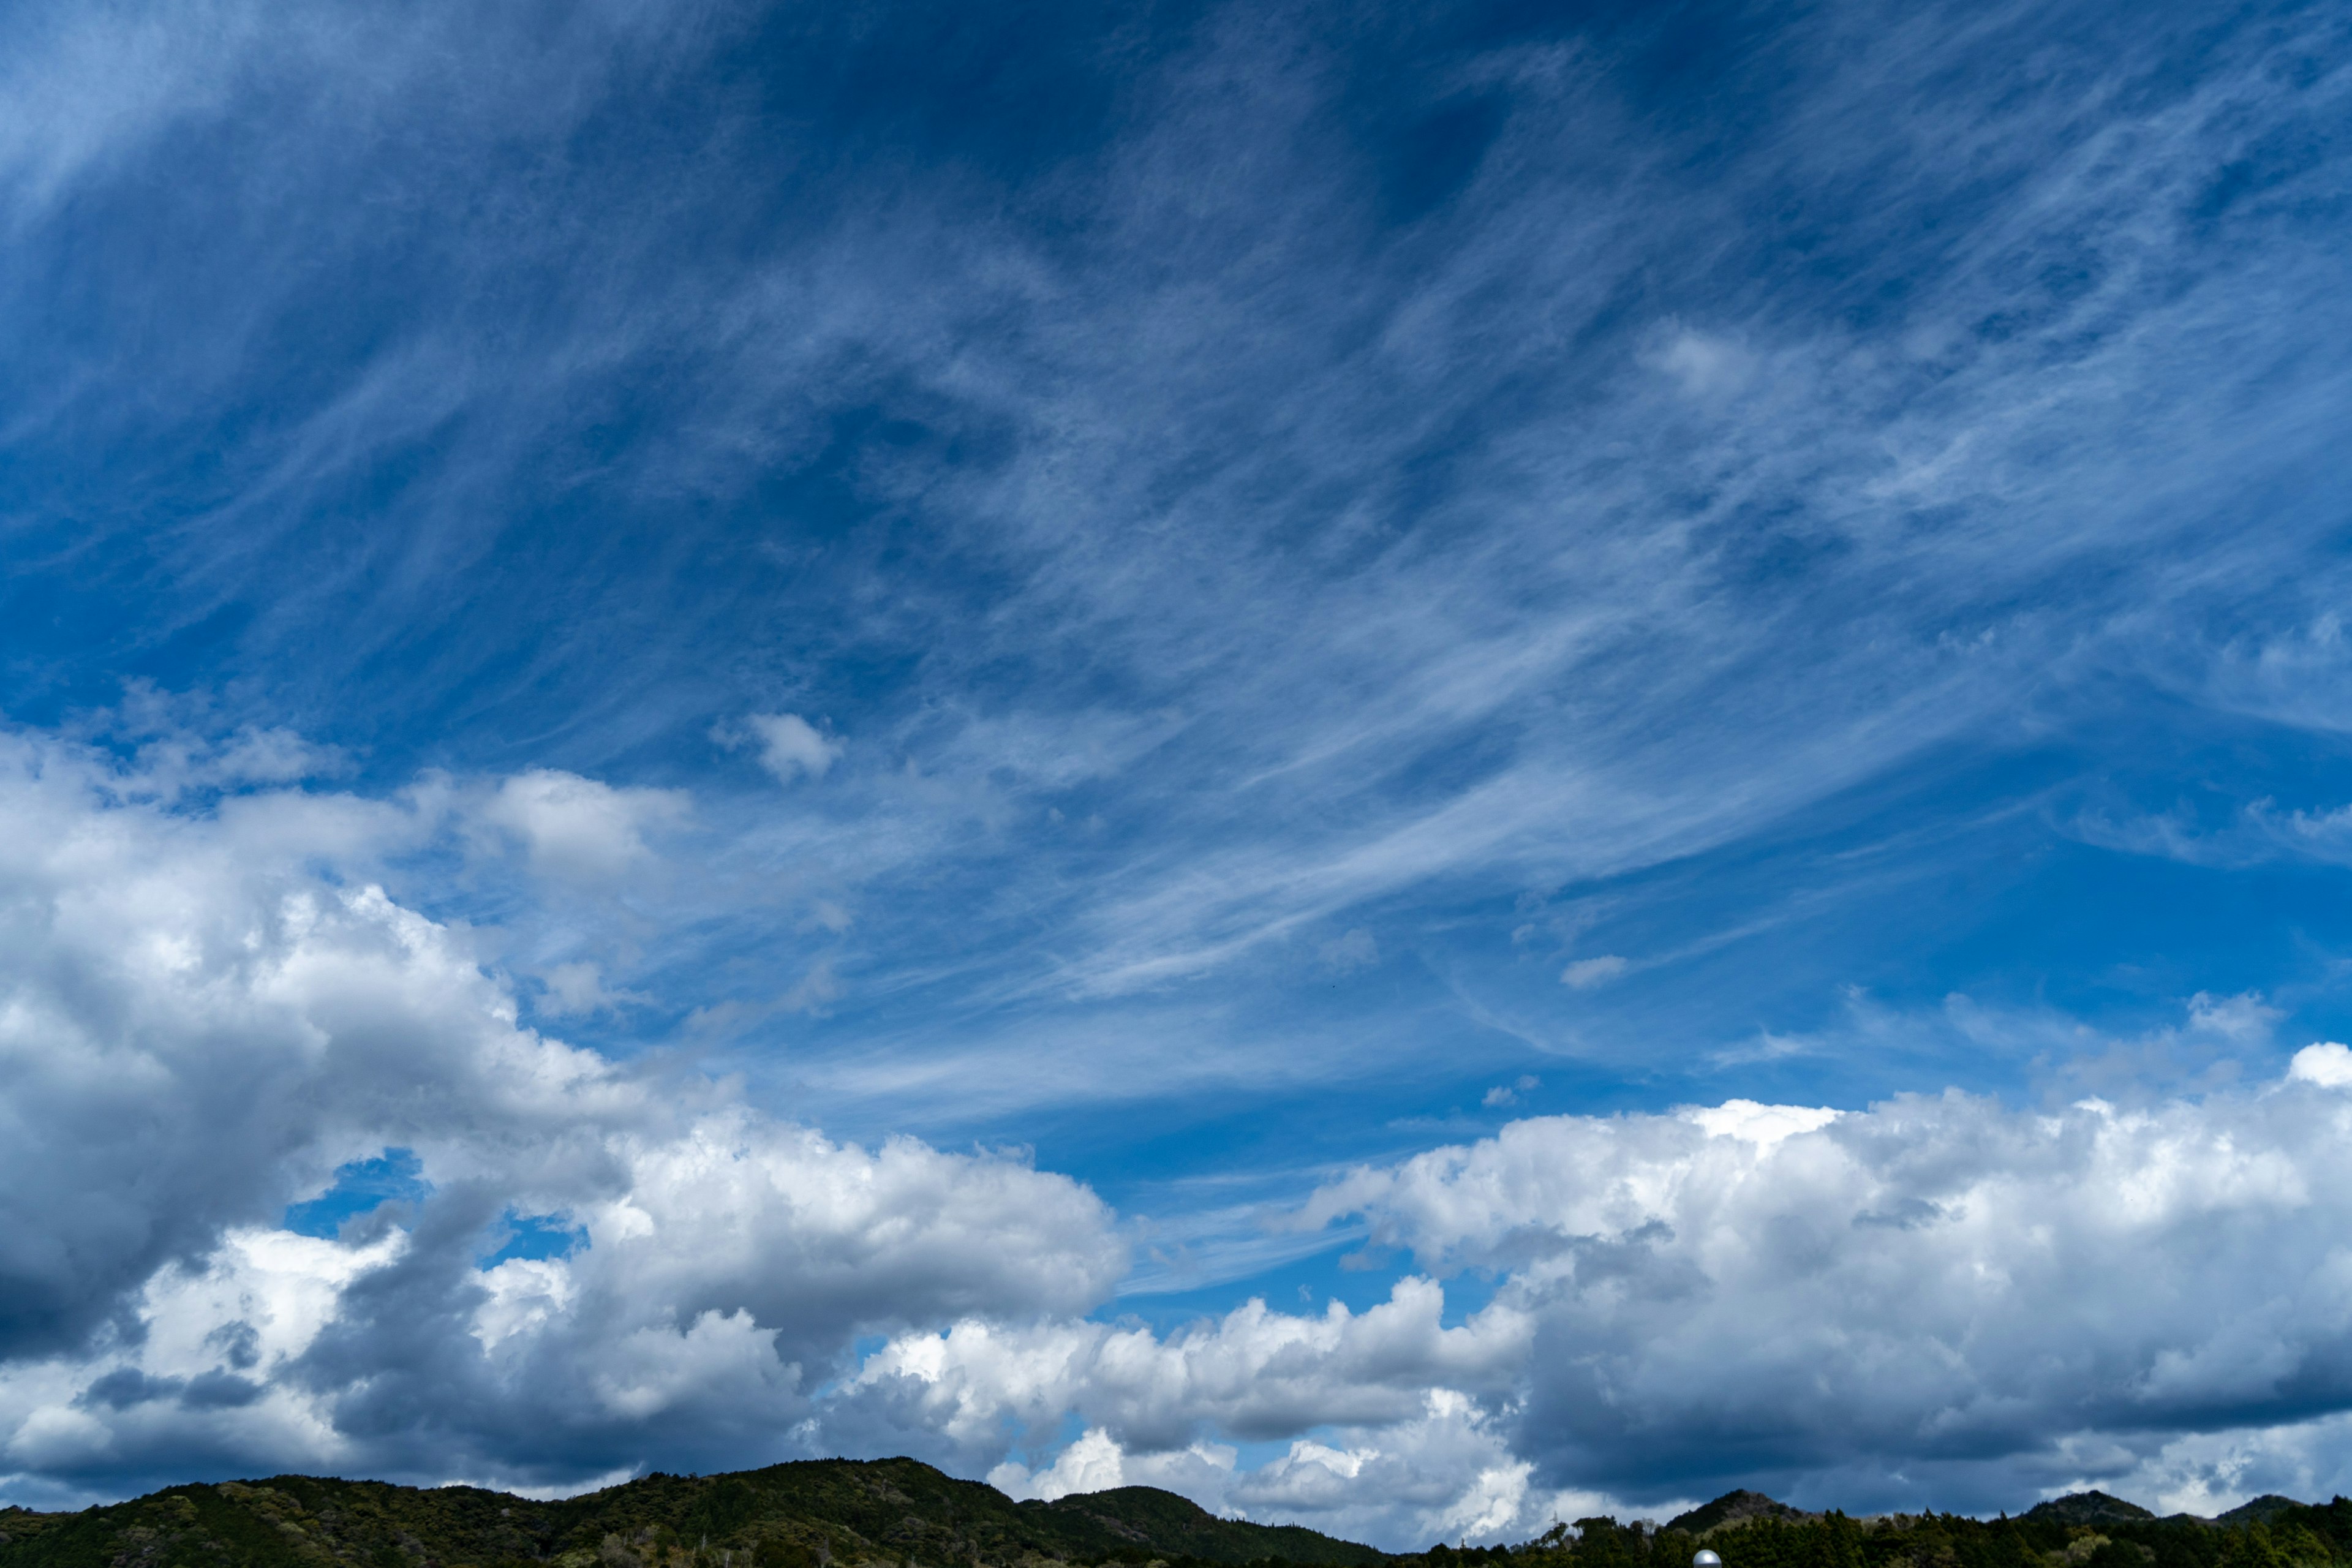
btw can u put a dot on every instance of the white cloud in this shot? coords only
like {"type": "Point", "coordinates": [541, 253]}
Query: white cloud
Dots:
{"type": "Point", "coordinates": [792, 748]}
{"type": "Point", "coordinates": [1508, 1094]}
{"type": "Point", "coordinates": [199, 1027]}
{"type": "Point", "coordinates": [1587, 973]}
{"type": "Point", "coordinates": [2327, 1064]}
{"type": "Point", "coordinates": [1760, 1124]}
{"type": "Point", "coordinates": [580, 829]}
{"type": "Point", "coordinates": [577, 989]}
{"type": "Point", "coordinates": [2242, 1021]}
{"type": "Point", "coordinates": [201, 1024]}
{"type": "Point", "coordinates": [1938, 1287]}
{"type": "Point", "coordinates": [1937, 1299]}
{"type": "Point", "coordinates": [1092, 1463]}
{"type": "Point", "coordinates": [2206, 1472]}
{"type": "Point", "coordinates": [1444, 1473]}
{"type": "Point", "coordinates": [1253, 1373]}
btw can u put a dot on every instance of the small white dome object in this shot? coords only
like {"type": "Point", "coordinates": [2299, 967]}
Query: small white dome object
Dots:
{"type": "Point", "coordinates": [1703, 1558]}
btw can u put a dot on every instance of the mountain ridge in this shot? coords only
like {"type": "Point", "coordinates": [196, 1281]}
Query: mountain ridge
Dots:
{"type": "Point", "coordinates": [2083, 1508]}
{"type": "Point", "coordinates": [803, 1514]}
{"type": "Point", "coordinates": [902, 1513]}
{"type": "Point", "coordinates": [2089, 1507]}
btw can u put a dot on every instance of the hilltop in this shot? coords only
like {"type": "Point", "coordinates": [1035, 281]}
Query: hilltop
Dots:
{"type": "Point", "coordinates": [1734, 1508]}
{"type": "Point", "coordinates": [2089, 1507]}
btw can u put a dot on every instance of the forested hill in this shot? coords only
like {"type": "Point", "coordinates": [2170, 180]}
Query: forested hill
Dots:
{"type": "Point", "coordinates": [889, 1514]}
{"type": "Point", "coordinates": [897, 1513]}
{"type": "Point", "coordinates": [2088, 1530]}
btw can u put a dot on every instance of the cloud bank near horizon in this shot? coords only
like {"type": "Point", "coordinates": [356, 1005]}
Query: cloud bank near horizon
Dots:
{"type": "Point", "coordinates": [213, 1019]}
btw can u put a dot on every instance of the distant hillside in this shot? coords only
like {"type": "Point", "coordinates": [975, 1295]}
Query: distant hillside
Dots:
{"type": "Point", "coordinates": [1734, 1508]}
{"type": "Point", "coordinates": [896, 1513]}
{"type": "Point", "coordinates": [818, 1514]}
{"type": "Point", "coordinates": [2088, 1507]}
{"type": "Point", "coordinates": [2086, 1530]}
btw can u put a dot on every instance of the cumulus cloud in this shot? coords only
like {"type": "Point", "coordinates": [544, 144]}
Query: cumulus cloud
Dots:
{"type": "Point", "coordinates": [2327, 1064]}
{"type": "Point", "coordinates": [1254, 1373]}
{"type": "Point", "coordinates": [1443, 1474]}
{"type": "Point", "coordinates": [793, 748]}
{"type": "Point", "coordinates": [200, 1027]}
{"type": "Point", "coordinates": [1941, 1289]}
{"type": "Point", "coordinates": [1508, 1094]}
{"type": "Point", "coordinates": [1398, 1443]}
{"type": "Point", "coordinates": [577, 829]}
{"type": "Point", "coordinates": [1936, 1298]}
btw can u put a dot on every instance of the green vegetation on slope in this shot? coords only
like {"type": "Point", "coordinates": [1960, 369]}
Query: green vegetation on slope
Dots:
{"type": "Point", "coordinates": [897, 1513]}
{"type": "Point", "coordinates": [889, 1514]}
{"type": "Point", "coordinates": [2089, 1530]}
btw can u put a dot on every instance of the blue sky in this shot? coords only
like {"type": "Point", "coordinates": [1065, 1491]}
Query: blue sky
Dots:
{"type": "Point", "coordinates": [1190, 605]}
